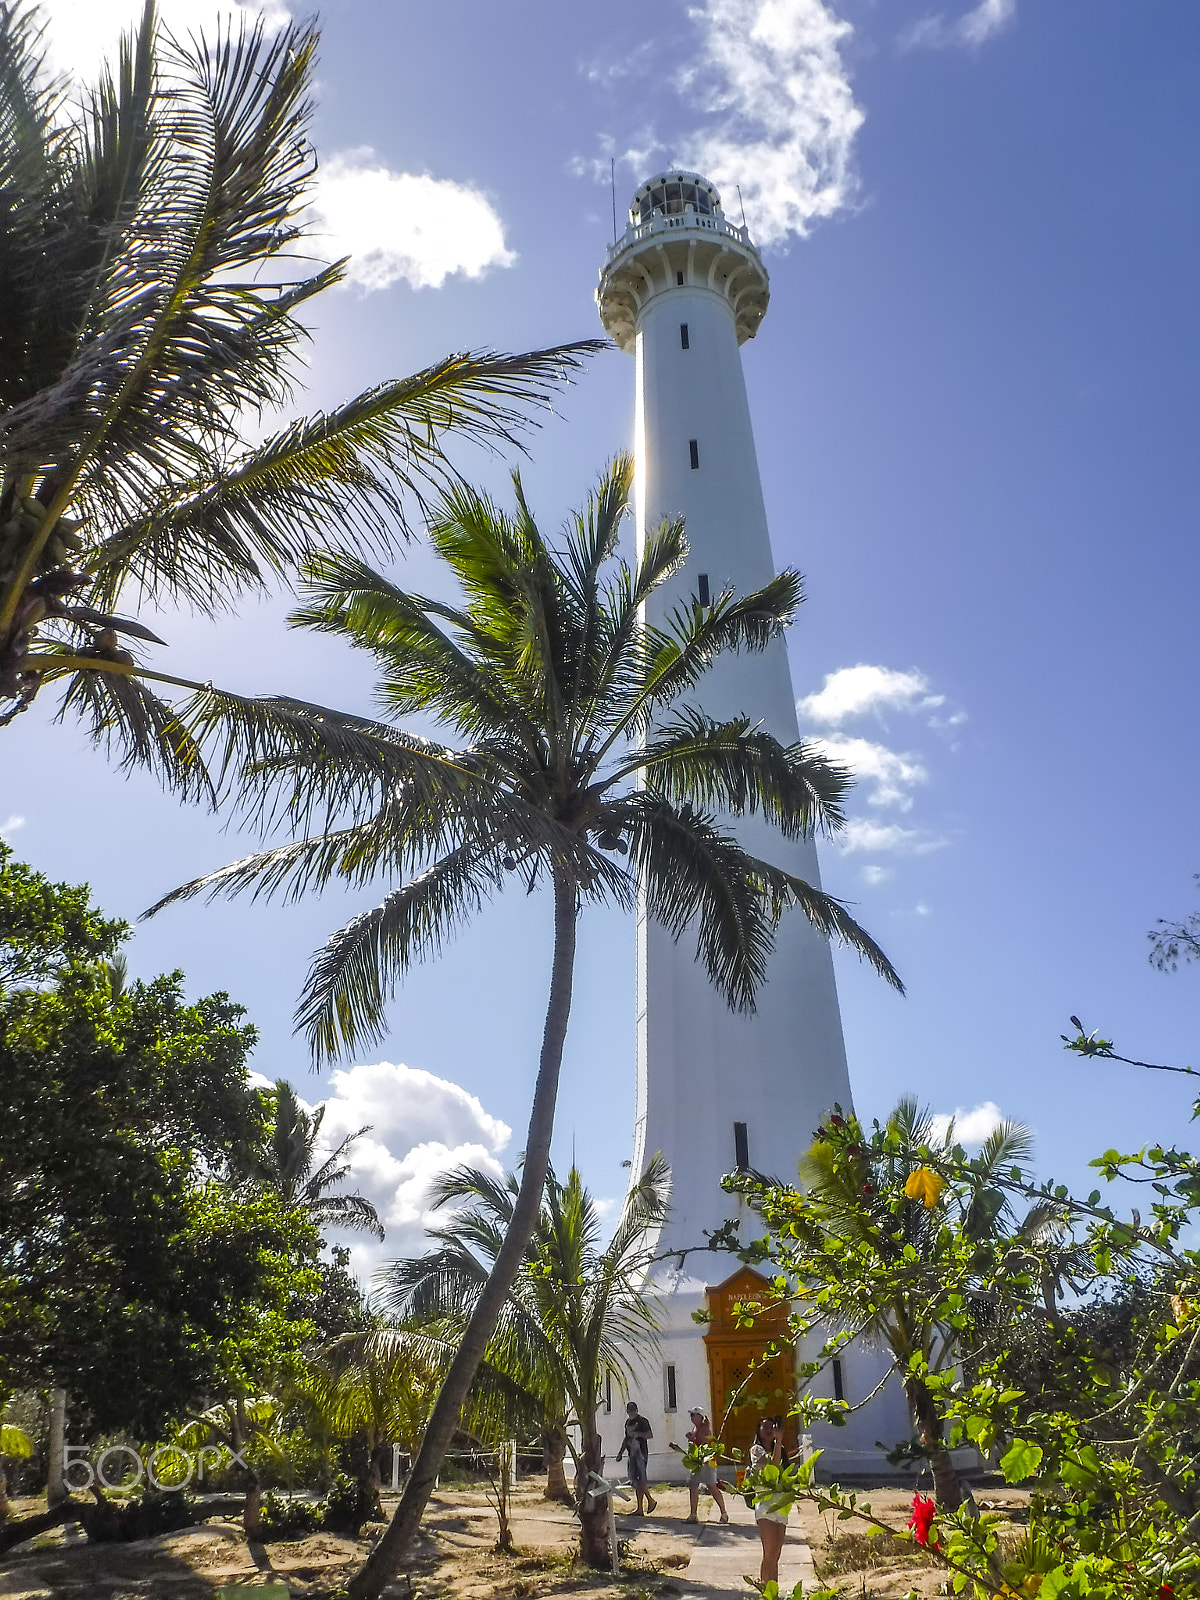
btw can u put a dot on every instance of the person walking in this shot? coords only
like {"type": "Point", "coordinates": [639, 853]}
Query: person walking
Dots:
{"type": "Point", "coordinates": [770, 1514]}
{"type": "Point", "coordinates": [636, 1444]}
{"type": "Point", "coordinates": [705, 1475]}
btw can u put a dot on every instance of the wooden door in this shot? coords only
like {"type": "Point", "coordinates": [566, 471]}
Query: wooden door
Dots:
{"type": "Point", "coordinates": [744, 1386]}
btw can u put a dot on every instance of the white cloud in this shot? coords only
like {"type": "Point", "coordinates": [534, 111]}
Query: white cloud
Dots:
{"type": "Point", "coordinates": [421, 1126]}
{"type": "Point", "coordinates": [970, 1127]}
{"type": "Point", "coordinates": [867, 690]}
{"type": "Point", "coordinates": [861, 835]}
{"type": "Point", "coordinates": [863, 689]}
{"type": "Point", "coordinates": [983, 22]}
{"type": "Point", "coordinates": [783, 112]}
{"type": "Point", "coordinates": [392, 225]}
{"type": "Point", "coordinates": [406, 225]}
{"type": "Point", "coordinates": [781, 116]}
{"type": "Point", "coordinates": [873, 874]}
{"type": "Point", "coordinates": [607, 71]}
{"type": "Point", "coordinates": [10, 826]}
{"type": "Point", "coordinates": [82, 33]}
{"type": "Point", "coordinates": [893, 773]}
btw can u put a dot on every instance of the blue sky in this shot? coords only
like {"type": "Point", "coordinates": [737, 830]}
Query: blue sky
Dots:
{"type": "Point", "coordinates": [975, 405]}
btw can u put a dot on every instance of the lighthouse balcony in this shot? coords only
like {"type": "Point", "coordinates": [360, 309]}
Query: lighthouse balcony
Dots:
{"type": "Point", "coordinates": [658, 225]}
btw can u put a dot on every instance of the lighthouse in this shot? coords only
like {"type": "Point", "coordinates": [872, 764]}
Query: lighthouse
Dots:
{"type": "Point", "coordinates": [681, 291]}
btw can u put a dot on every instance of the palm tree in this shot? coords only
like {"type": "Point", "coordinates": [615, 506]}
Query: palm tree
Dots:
{"type": "Point", "coordinates": [379, 1390]}
{"type": "Point", "coordinates": [14, 1441]}
{"type": "Point", "coordinates": [892, 1258]}
{"type": "Point", "coordinates": [578, 763]}
{"type": "Point", "coordinates": [139, 236]}
{"type": "Point", "coordinates": [289, 1164]}
{"type": "Point", "coordinates": [574, 1312]}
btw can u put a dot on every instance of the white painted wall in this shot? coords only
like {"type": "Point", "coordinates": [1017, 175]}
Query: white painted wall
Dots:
{"type": "Point", "coordinates": [700, 1067]}
{"type": "Point", "coordinates": [846, 1452]}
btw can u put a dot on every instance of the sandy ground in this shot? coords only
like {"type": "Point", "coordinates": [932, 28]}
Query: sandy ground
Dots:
{"type": "Point", "coordinates": [454, 1558]}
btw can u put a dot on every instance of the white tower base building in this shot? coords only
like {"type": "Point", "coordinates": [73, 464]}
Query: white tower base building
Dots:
{"type": "Point", "coordinates": [681, 291]}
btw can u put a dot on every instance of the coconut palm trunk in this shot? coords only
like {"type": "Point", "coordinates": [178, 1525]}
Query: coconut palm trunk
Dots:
{"type": "Point", "coordinates": [56, 1488]}
{"type": "Point", "coordinates": [593, 1511]}
{"type": "Point", "coordinates": [252, 1511]}
{"type": "Point", "coordinates": [554, 1447]}
{"type": "Point", "coordinates": [389, 1552]}
{"type": "Point", "coordinates": [947, 1489]}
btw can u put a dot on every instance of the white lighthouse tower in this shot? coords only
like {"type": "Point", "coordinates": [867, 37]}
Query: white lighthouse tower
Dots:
{"type": "Point", "coordinates": [681, 291]}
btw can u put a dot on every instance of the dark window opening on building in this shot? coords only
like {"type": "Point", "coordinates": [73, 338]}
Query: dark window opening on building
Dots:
{"type": "Point", "coordinates": [608, 1391]}
{"type": "Point", "coordinates": [741, 1145]}
{"type": "Point", "coordinates": [694, 452]}
{"type": "Point", "coordinates": [672, 1402]}
{"type": "Point", "coordinates": [679, 279]}
{"type": "Point", "coordinates": [704, 600]}
{"type": "Point", "coordinates": [839, 1392]}
{"type": "Point", "coordinates": [684, 340]}
{"type": "Point", "coordinates": [674, 199]}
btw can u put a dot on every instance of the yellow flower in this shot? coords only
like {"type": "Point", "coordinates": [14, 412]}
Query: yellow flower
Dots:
{"type": "Point", "coordinates": [924, 1185]}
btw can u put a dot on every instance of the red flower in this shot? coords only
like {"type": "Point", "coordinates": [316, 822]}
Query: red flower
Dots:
{"type": "Point", "coordinates": [1165, 1592]}
{"type": "Point", "coordinates": [923, 1512]}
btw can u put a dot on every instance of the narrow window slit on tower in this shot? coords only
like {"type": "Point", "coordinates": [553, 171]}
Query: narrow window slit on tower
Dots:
{"type": "Point", "coordinates": [839, 1392]}
{"type": "Point", "coordinates": [672, 1401]}
{"type": "Point", "coordinates": [705, 600]}
{"type": "Point", "coordinates": [694, 452]}
{"type": "Point", "coordinates": [741, 1145]}
{"type": "Point", "coordinates": [684, 341]}
{"type": "Point", "coordinates": [608, 1391]}
{"type": "Point", "coordinates": [679, 279]}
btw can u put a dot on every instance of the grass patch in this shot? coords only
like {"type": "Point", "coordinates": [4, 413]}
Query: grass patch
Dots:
{"type": "Point", "coordinates": [850, 1551]}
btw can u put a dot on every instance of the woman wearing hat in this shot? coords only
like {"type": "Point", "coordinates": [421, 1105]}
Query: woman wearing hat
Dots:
{"type": "Point", "coordinates": [705, 1475]}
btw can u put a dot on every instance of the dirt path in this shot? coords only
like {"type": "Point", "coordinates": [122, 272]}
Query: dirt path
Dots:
{"type": "Point", "coordinates": [454, 1557]}
{"type": "Point", "coordinates": [723, 1557]}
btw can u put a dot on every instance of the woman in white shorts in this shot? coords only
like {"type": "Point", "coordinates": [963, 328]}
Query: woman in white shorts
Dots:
{"type": "Point", "coordinates": [771, 1514]}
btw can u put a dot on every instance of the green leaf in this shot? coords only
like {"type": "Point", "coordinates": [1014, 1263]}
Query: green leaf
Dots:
{"type": "Point", "coordinates": [1021, 1461]}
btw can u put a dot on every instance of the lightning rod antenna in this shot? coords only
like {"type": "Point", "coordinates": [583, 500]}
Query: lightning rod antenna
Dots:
{"type": "Point", "coordinates": [738, 187]}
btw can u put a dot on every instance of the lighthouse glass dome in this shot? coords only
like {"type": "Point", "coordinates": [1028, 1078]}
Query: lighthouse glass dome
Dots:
{"type": "Point", "coordinates": [677, 237]}
{"type": "Point", "coordinates": [674, 196]}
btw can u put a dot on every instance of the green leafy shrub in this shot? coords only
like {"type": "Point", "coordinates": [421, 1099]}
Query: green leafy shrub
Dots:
{"type": "Point", "coordinates": [348, 1505]}
{"type": "Point", "coordinates": [288, 1519]}
{"type": "Point", "coordinates": [144, 1517]}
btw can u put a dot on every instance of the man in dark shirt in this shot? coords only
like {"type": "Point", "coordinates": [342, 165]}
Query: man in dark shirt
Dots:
{"type": "Point", "coordinates": [636, 1443]}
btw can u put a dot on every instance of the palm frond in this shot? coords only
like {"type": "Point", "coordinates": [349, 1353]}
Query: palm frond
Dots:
{"type": "Point", "coordinates": [617, 675]}
{"type": "Point", "coordinates": [496, 1195]}
{"type": "Point", "coordinates": [1009, 1143]}
{"type": "Point", "coordinates": [291, 870]}
{"type": "Point", "coordinates": [695, 873]}
{"type": "Point", "coordinates": [355, 973]}
{"type": "Point", "coordinates": [738, 767]}
{"type": "Point", "coordinates": [676, 656]}
{"type": "Point", "coordinates": [134, 726]}
{"type": "Point", "coordinates": [34, 167]}
{"type": "Point", "coordinates": [828, 916]}
{"type": "Point", "coordinates": [320, 758]}
{"type": "Point", "coordinates": [346, 1211]}
{"type": "Point", "coordinates": [424, 668]}
{"type": "Point", "coordinates": [271, 509]}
